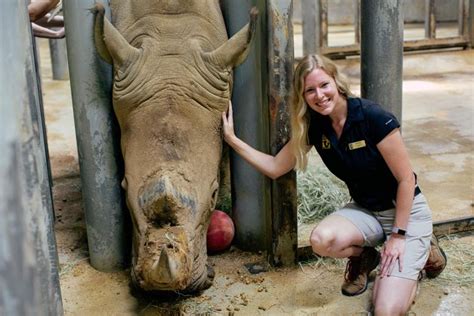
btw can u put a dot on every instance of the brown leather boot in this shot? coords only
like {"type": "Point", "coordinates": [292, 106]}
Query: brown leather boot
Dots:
{"type": "Point", "coordinates": [356, 277]}
{"type": "Point", "coordinates": [437, 259]}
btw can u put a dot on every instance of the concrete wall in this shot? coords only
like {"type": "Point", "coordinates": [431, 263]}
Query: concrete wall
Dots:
{"type": "Point", "coordinates": [342, 11]}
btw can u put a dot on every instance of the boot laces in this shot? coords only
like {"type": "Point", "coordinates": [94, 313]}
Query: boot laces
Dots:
{"type": "Point", "coordinates": [353, 268]}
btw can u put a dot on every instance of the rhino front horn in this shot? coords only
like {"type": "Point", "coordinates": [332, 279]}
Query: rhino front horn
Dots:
{"type": "Point", "coordinates": [165, 270]}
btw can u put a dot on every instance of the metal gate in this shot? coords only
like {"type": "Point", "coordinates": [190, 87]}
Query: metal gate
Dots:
{"type": "Point", "coordinates": [315, 30]}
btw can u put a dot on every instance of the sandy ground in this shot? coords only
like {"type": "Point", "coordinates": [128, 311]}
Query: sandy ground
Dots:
{"type": "Point", "coordinates": [438, 129]}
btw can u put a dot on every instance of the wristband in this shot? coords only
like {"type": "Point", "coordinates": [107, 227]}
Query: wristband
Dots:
{"type": "Point", "coordinates": [399, 231]}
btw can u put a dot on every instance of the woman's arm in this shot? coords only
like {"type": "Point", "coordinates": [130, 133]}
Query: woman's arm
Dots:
{"type": "Point", "coordinates": [271, 166]}
{"type": "Point", "coordinates": [45, 32]}
{"type": "Point", "coordinates": [395, 155]}
{"type": "Point", "coordinates": [38, 8]}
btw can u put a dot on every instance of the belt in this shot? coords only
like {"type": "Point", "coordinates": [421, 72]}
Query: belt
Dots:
{"type": "Point", "coordinates": [417, 190]}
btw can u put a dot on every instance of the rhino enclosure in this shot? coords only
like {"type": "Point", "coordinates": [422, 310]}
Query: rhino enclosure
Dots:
{"type": "Point", "coordinates": [264, 210]}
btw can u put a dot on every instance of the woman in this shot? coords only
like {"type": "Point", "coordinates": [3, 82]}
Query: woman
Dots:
{"type": "Point", "coordinates": [361, 144]}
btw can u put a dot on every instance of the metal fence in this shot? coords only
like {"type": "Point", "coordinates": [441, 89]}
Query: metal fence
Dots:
{"type": "Point", "coordinates": [315, 29]}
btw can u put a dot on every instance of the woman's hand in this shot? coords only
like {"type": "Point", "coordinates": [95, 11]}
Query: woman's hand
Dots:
{"type": "Point", "coordinates": [228, 124]}
{"type": "Point", "coordinates": [393, 250]}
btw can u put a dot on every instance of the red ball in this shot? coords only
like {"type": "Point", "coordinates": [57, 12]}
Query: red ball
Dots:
{"type": "Point", "coordinates": [220, 232]}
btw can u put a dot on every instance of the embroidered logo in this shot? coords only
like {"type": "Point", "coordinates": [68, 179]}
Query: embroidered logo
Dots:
{"type": "Point", "coordinates": [389, 121]}
{"type": "Point", "coordinates": [325, 143]}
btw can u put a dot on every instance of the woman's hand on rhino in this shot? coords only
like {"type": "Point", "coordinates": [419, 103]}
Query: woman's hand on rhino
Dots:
{"type": "Point", "coordinates": [228, 124]}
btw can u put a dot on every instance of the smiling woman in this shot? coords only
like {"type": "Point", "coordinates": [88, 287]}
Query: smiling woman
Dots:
{"type": "Point", "coordinates": [361, 144]}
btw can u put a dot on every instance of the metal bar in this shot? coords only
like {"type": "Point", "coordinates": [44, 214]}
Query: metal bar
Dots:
{"type": "Point", "coordinates": [324, 22]}
{"type": "Point", "coordinates": [454, 226]}
{"type": "Point", "coordinates": [251, 190]}
{"type": "Point", "coordinates": [311, 15]}
{"type": "Point", "coordinates": [460, 17]}
{"type": "Point", "coordinates": [58, 53]}
{"type": "Point", "coordinates": [29, 279]}
{"type": "Point", "coordinates": [436, 43]}
{"type": "Point", "coordinates": [39, 177]}
{"type": "Point", "coordinates": [356, 4]}
{"type": "Point", "coordinates": [281, 58]}
{"type": "Point", "coordinates": [36, 98]}
{"type": "Point", "coordinates": [470, 23]}
{"type": "Point", "coordinates": [430, 19]}
{"type": "Point", "coordinates": [97, 137]}
{"type": "Point", "coordinates": [440, 228]}
{"type": "Point", "coordinates": [337, 52]}
{"type": "Point", "coordinates": [382, 53]}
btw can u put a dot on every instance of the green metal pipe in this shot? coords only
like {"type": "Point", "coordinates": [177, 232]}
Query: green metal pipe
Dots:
{"type": "Point", "coordinates": [97, 137]}
{"type": "Point", "coordinates": [382, 53]}
{"type": "Point", "coordinates": [250, 189]}
{"type": "Point", "coordinates": [29, 279]}
{"type": "Point", "coordinates": [58, 53]}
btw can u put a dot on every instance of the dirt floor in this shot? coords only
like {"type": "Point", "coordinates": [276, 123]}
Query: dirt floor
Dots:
{"type": "Point", "coordinates": [438, 129]}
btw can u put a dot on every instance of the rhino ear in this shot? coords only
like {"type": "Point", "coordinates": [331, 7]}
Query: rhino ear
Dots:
{"type": "Point", "coordinates": [234, 51]}
{"type": "Point", "coordinates": [110, 44]}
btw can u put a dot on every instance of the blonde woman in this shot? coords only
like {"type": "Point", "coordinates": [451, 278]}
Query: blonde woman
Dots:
{"type": "Point", "coordinates": [361, 144]}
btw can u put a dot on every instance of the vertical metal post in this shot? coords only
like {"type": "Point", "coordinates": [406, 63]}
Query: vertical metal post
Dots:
{"type": "Point", "coordinates": [430, 19]}
{"type": "Point", "coordinates": [281, 59]}
{"type": "Point", "coordinates": [311, 16]}
{"type": "Point", "coordinates": [356, 4]}
{"type": "Point", "coordinates": [382, 53]}
{"type": "Point", "coordinates": [470, 23]}
{"type": "Point", "coordinates": [57, 50]}
{"type": "Point", "coordinates": [250, 189]}
{"type": "Point", "coordinates": [97, 136]}
{"type": "Point", "coordinates": [324, 23]}
{"type": "Point", "coordinates": [29, 280]}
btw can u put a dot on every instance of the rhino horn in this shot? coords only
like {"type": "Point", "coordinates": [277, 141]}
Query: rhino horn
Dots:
{"type": "Point", "coordinates": [165, 270]}
{"type": "Point", "coordinates": [234, 51]}
{"type": "Point", "coordinates": [110, 44]}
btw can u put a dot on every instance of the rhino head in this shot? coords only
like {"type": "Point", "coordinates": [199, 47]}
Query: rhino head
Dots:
{"type": "Point", "coordinates": [172, 80]}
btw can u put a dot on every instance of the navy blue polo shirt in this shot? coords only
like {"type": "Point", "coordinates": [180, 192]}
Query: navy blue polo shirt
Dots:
{"type": "Point", "coordinates": [354, 157]}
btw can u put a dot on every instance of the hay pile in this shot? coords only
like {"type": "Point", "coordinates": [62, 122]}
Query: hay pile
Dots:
{"type": "Point", "coordinates": [319, 194]}
{"type": "Point", "coordinates": [460, 267]}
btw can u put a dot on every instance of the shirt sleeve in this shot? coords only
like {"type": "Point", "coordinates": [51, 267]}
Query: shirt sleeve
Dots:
{"type": "Point", "coordinates": [381, 122]}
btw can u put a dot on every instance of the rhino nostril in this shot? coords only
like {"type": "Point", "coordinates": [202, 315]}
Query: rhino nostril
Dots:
{"type": "Point", "coordinates": [170, 246]}
{"type": "Point", "coordinates": [164, 217]}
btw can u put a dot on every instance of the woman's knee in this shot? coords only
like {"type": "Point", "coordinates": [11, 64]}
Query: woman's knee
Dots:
{"type": "Point", "coordinates": [387, 307]}
{"type": "Point", "coordinates": [323, 241]}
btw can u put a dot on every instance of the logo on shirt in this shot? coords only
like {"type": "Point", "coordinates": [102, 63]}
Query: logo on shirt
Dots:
{"type": "Point", "coordinates": [325, 143]}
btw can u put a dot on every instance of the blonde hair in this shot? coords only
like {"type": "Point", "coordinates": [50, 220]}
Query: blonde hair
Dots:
{"type": "Point", "coordinates": [299, 112]}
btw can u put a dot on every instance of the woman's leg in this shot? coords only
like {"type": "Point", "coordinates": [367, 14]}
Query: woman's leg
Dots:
{"type": "Point", "coordinates": [336, 237]}
{"type": "Point", "coordinates": [404, 277]}
{"type": "Point", "coordinates": [388, 301]}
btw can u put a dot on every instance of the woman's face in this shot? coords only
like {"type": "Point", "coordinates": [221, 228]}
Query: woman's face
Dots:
{"type": "Point", "coordinates": [320, 92]}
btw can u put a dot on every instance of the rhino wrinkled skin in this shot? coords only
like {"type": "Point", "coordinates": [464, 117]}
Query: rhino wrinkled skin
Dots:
{"type": "Point", "coordinates": [172, 80]}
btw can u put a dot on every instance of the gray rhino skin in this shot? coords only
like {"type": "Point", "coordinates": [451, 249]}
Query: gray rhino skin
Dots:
{"type": "Point", "coordinates": [172, 80]}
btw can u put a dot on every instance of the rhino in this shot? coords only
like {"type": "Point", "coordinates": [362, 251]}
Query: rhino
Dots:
{"type": "Point", "coordinates": [172, 62]}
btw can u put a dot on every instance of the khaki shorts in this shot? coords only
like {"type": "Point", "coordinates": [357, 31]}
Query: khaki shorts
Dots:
{"type": "Point", "coordinates": [376, 227]}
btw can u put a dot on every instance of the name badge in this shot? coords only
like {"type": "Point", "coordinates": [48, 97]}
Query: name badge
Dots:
{"type": "Point", "coordinates": [357, 145]}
